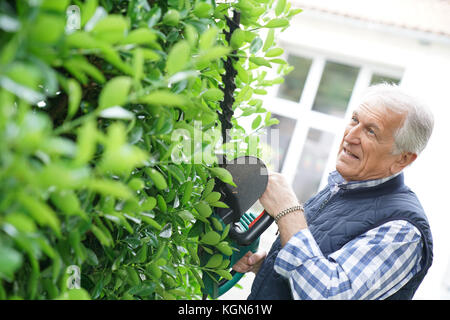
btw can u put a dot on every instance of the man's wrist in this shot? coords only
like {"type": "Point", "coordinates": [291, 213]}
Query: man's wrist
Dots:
{"type": "Point", "coordinates": [290, 210]}
{"type": "Point", "coordinates": [290, 224]}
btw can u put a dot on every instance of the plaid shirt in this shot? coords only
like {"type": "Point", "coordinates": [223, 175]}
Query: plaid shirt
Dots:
{"type": "Point", "coordinates": [374, 265]}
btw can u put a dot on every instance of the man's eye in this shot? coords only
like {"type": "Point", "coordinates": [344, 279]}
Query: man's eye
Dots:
{"type": "Point", "coordinates": [354, 119]}
{"type": "Point", "coordinates": [371, 131]}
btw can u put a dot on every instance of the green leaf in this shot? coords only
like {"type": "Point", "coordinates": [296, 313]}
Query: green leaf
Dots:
{"type": "Point", "coordinates": [203, 209]}
{"type": "Point", "coordinates": [213, 94]}
{"type": "Point", "coordinates": [171, 17]}
{"type": "Point", "coordinates": [278, 61]}
{"type": "Point", "coordinates": [242, 73]}
{"type": "Point", "coordinates": [186, 215]}
{"type": "Point", "coordinates": [140, 36]}
{"type": "Point", "coordinates": [225, 248]}
{"type": "Point", "coordinates": [187, 192]}
{"type": "Point", "coordinates": [225, 232]}
{"type": "Point", "coordinates": [101, 236]}
{"type": "Point", "coordinates": [165, 98]}
{"type": "Point", "coordinates": [275, 52]}
{"type": "Point", "coordinates": [82, 40]}
{"type": "Point", "coordinates": [154, 270]}
{"type": "Point", "coordinates": [86, 142]}
{"type": "Point", "coordinates": [255, 45]}
{"type": "Point", "coordinates": [111, 29]}
{"type": "Point", "coordinates": [136, 184]}
{"type": "Point", "coordinates": [214, 261]}
{"type": "Point", "coordinates": [115, 92]}
{"type": "Point", "coordinates": [206, 57]}
{"type": "Point", "coordinates": [179, 57]}
{"type": "Point", "coordinates": [89, 69]}
{"type": "Point", "coordinates": [272, 122]}
{"type": "Point", "coordinates": [277, 23]}
{"type": "Point", "coordinates": [157, 178]}
{"type": "Point", "coordinates": [91, 257]}
{"type": "Point", "coordinates": [150, 54]}
{"type": "Point", "coordinates": [191, 35]}
{"type": "Point", "coordinates": [47, 28]}
{"type": "Point", "coordinates": [74, 97]}
{"type": "Point", "coordinates": [256, 122]}
{"type": "Point", "coordinates": [293, 12]}
{"type": "Point", "coordinates": [21, 222]}
{"type": "Point", "coordinates": [223, 175]}
{"type": "Point", "coordinates": [120, 157]}
{"type": "Point", "coordinates": [279, 8]}
{"type": "Point", "coordinates": [162, 205]}
{"type": "Point", "coordinates": [249, 36]}
{"type": "Point", "coordinates": [244, 94]}
{"type": "Point", "coordinates": [224, 273]}
{"type": "Point", "coordinates": [150, 221]}
{"type": "Point", "coordinates": [269, 40]}
{"type": "Point", "coordinates": [40, 212]}
{"type": "Point", "coordinates": [10, 261]}
{"type": "Point", "coordinates": [208, 38]}
{"type": "Point", "coordinates": [155, 15]}
{"type": "Point", "coordinates": [237, 39]}
{"type": "Point", "coordinates": [109, 187]}
{"type": "Point", "coordinates": [56, 5]}
{"type": "Point", "coordinates": [74, 294]}
{"type": "Point", "coordinates": [219, 204]}
{"type": "Point", "coordinates": [88, 10]}
{"type": "Point", "coordinates": [203, 9]}
{"type": "Point", "coordinates": [112, 56]}
{"type": "Point", "coordinates": [216, 223]}
{"type": "Point", "coordinates": [138, 64]}
{"type": "Point", "coordinates": [213, 197]}
{"type": "Point", "coordinates": [209, 187]}
{"type": "Point", "coordinates": [260, 61]}
{"type": "Point", "coordinates": [211, 238]}
{"type": "Point", "coordinates": [67, 202]}
{"type": "Point", "coordinates": [148, 204]}
{"type": "Point", "coordinates": [260, 91]}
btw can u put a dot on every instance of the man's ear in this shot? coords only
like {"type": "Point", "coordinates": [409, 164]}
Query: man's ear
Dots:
{"type": "Point", "coordinates": [404, 159]}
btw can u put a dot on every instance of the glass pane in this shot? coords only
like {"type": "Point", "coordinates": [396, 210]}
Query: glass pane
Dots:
{"type": "Point", "coordinates": [312, 163]}
{"type": "Point", "coordinates": [378, 78]}
{"type": "Point", "coordinates": [335, 88]}
{"type": "Point", "coordinates": [276, 141]}
{"type": "Point", "coordinates": [294, 82]}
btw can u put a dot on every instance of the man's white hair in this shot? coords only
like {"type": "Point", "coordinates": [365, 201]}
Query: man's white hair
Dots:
{"type": "Point", "coordinates": [418, 123]}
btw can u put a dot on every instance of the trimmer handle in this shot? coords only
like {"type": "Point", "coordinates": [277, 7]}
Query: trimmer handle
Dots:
{"type": "Point", "coordinates": [255, 229]}
{"type": "Point", "coordinates": [225, 285]}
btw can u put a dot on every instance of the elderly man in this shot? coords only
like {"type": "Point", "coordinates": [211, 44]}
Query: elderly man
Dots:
{"type": "Point", "coordinates": [365, 235]}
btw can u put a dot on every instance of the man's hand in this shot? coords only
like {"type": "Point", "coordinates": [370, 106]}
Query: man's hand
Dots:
{"type": "Point", "coordinates": [250, 262]}
{"type": "Point", "coordinates": [278, 195]}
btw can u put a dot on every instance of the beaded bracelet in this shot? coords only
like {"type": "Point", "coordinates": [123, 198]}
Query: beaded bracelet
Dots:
{"type": "Point", "coordinates": [286, 211]}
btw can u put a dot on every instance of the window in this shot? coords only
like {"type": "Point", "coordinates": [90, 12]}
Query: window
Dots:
{"type": "Point", "coordinates": [294, 82]}
{"type": "Point", "coordinates": [335, 88]}
{"type": "Point", "coordinates": [312, 163]}
{"type": "Point", "coordinates": [378, 78]}
{"type": "Point", "coordinates": [278, 138]}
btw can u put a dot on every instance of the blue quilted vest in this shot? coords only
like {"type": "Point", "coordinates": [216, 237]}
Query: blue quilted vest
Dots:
{"type": "Point", "coordinates": [336, 219]}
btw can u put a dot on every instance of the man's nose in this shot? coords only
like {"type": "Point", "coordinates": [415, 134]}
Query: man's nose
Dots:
{"type": "Point", "coordinates": [353, 135]}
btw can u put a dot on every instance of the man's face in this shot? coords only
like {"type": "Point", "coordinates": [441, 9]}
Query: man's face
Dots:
{"type": "Point", "coordinates": [365, 152]}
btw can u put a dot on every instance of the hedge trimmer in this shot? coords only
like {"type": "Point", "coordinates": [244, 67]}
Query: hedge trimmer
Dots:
{"type": "Point", "coordinates": [246, 217]}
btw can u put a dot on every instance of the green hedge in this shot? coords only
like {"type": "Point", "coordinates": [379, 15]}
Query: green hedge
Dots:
{"type": "Point", "coordinates": [92, 174]}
